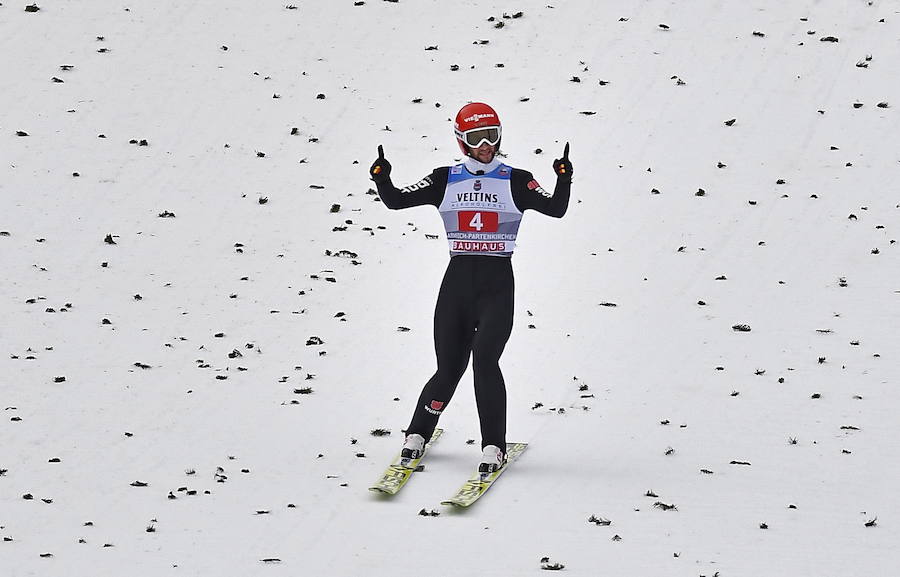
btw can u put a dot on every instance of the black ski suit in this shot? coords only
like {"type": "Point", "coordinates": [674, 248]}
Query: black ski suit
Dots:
{"type": "Point", "coordinates": [474, 312]}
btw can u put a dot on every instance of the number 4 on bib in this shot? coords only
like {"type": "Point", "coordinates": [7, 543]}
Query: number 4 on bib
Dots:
{"type": "Point", "coordinates": [478, 221]}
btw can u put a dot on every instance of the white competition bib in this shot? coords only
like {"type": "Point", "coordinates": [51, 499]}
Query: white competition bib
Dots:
{"type": "Point", "coordinates": [479, 214]}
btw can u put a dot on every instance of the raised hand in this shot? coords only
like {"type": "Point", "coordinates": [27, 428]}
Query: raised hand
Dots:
{"type": "Point", "coordinates": [380, 170]}
{"type": "Point", "coordinates": [562, 166]}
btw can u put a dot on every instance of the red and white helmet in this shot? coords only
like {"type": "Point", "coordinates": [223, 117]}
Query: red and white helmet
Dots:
{"type": "Point", "coordinates": [476, 123]}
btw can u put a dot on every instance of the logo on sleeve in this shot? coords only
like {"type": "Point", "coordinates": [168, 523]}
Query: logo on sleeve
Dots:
{"type": "Point", "coordinates": [535, 186]}
{"type": "Point", "coordinates": [424, 183]}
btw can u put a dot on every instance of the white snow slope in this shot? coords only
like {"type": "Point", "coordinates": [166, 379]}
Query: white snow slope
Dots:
{"type": "Point", "coordinates": [184, 359]}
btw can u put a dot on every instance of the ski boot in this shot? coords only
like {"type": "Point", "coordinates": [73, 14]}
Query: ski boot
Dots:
{"type": "Point", "coordinates": [413, 448]}
{"type": "Point", "coordinates": [492, 460]}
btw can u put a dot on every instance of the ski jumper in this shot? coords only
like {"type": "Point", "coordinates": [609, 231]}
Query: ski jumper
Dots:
{"type": "Point", "coordinates": [481, 206]}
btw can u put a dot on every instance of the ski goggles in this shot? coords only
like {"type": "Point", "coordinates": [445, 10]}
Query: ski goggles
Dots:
{"type": "Point", "coordinates": [475, 137]}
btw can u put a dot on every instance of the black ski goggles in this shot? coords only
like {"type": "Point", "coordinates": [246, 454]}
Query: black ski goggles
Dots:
{"type": "Point", "coordinates": [475, 137]}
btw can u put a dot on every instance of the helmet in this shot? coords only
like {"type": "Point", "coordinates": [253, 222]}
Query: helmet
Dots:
{"type": "Point", "coordinates": [476, 122]}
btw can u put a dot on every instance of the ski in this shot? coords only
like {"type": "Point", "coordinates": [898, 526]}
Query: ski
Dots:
{"type": "Point", "coordinates": [479, 483]}
{"type": "Point", "coordinates": [398, 473]}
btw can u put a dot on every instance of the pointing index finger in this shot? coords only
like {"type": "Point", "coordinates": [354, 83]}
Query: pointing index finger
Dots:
{"type": "Point", "coordinates": [380, 151]}
{"type": "Point", "coordinates": [566, 151]}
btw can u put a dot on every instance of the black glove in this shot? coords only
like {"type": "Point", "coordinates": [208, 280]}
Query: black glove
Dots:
{"type": "Point", "coordinates": [562, 166]}
{"type": "Point", "coordinates": [380, 170]}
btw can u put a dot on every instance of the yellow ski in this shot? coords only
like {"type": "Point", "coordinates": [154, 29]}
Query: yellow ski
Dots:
{"type": "Point", "coordinates": [400, 470]}
{"type": "Point", "coordinates": [478, 484]}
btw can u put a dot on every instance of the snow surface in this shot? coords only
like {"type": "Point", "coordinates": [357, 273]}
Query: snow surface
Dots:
{"type": "Point", "coordinates": [808, 398]}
